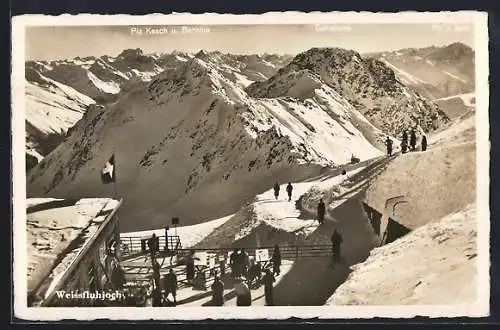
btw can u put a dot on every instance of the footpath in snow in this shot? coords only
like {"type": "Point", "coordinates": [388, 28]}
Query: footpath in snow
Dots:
{"type": "Point", "coordinates": [280, 214]}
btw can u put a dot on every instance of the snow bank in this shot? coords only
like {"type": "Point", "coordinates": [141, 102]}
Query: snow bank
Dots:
{"type": "Point", "coordinates": [434, 264]}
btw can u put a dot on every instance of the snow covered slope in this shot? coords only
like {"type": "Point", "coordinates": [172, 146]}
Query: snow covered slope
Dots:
{"type": "Point", "coordinates": [435, 264]}
{"type": "Point", "coordinates": [191, 137]}
{"type": "Point", "coordinates": [368, 84]}
{"type": "Point", "coordinates": [51, 109]}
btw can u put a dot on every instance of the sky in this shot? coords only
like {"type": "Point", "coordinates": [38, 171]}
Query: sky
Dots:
{"type": "Point", "coordinates": [64, 42]}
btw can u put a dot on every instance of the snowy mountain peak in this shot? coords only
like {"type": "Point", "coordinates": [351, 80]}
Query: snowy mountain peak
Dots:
{"type": "Point", "coordinates": [370, 85]}
{"type": "Point", "coordinates": [131, 53]}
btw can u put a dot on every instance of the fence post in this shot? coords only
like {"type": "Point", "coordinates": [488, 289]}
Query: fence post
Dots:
{"type": "Point", "coordinates": [130, 244]}
{"type": "Point", "coordinates": [296, 252]}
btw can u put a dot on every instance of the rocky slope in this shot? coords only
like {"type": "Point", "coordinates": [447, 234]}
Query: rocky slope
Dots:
{"type": "Point", "coordinates": [435, 72]}
{"type": "Point", "coordinates": [192, 136]}
{"type": "Point", "coordinates": [368, 84]}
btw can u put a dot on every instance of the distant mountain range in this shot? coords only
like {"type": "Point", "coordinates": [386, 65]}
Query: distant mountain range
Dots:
{"type": "Point", "coordinates": [445, 75]}
{"type": "Point", "coordinates": [59, 92]}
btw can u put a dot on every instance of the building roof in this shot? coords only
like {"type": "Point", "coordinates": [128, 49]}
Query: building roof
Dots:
{"type": "Point", "coordinates": [58, 232]}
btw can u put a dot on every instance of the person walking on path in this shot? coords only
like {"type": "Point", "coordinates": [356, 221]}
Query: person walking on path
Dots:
{"type": "Point", "coordinates": [424, 143]}
{"type": "Point", "coordinates": [413, 140]}
{"type": "Point", "coordinates": [268, 281]}
{"type": "Point", "coordinates": [404, 142]}
{"type": "Point", "coordinates": [336, 241]}
{"type": "Point", "coordinates": [276, 190]}
{"type": "Point", "coordinates": [289, 189]}
{"type": "Point", "coordinates": [170, 285]}
{"type": "Point", "coordinates": [276, 260]}
{"type": "Point", "coordinates": [217, 292]}
{"type": "Point", "coordinates": [153, 245]}
{"type": "Point", "coordinates": [321, 211]}
{"type": "Point", "coordinates": [388, 144]}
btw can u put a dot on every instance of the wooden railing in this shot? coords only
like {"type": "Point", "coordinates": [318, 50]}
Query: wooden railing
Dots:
{"type": "Point", "coordinates": [134, 244]}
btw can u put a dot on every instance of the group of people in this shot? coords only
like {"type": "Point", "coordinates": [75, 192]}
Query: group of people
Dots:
{"type": "Point", "coordinates": [246, 272]}
{"type": "Point", "coordinates": [169, 287]}
{"type": "Point", "coordinates": [289, 190]}
{"type": "Point", "coordinates": [407, 143]}
{"type": "Point", "coordinates": [412, 143]}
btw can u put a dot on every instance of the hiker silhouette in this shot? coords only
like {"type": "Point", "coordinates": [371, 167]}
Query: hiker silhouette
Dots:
{"type": "Point", "coordinates": [289, 189]}
{"type": "Point", "coordinates": [321, 211]}
{"type": "Point", "coordinates": [276, 190]}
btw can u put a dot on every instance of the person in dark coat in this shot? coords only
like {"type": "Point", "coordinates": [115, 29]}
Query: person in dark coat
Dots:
{"type": "Point", "coordinates": [156, 273]}
{"type": "Point", "coordinates": [404, 142]}
{"type": "Point", "coordinates": [118, 278]}
{"type": "Point", "coordinates": [268, 281]}
{"type": "Point", "coordinates": [153, 245]}
{"type": "Point", "coordinates": [321, 211]}
{"type": "Point", "coordinates": [276, 259]}
{"type": "Point", "coordinates": [233, 263]}
{"type": "Point", "coordinates": [222, 264]}
{"type": "Point", "coordinates": [244, 262]}
{"type": "Point", "coordinates": [276, 190]}
{"type": "Point", "coordinates": [289, 189]}
{"type": "Point", "coordinates": [170, 285]}
{"type": "Point", "coordinates": [156, 295]}
{"type": "Point", "coordinates": [388, 144]}
{"type": "Point", "coordinates": [424, 143]}
{"type": "Point", "coordinates": [243, 293]}
{"type": "Point", "coordinates": [413, 139]}
{"type": "Point", "coordinates": [217, 292]}
{"type": "Point", "coordinates": [336, 241]}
